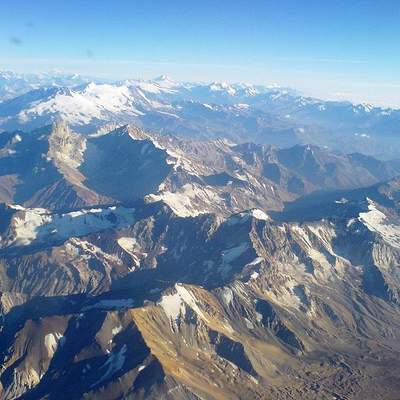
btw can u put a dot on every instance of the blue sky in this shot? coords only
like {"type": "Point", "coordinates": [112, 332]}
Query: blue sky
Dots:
{"type": "Point", "coordinates": [331, 49]}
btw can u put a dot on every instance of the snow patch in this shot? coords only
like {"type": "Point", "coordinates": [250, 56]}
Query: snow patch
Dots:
{"type": "Point", "coordinates": [51, 342]}
{"type": "Point", "coordinates": [259, 214]}
{"type": "Point", "coordinates": [40, 225]}
{"type": "Point", "coordinates": [256, 261]}
{"type": "Point", "coordinates": [227, 295]}
{"type": "Point", "coordinates": [116, 330]}
{"type": "Point", "coordinates": [173, 306]}
{"type": "Point", "coordinates": [190, 201]}
{"type": "Point", "coordinates": [376, 221]}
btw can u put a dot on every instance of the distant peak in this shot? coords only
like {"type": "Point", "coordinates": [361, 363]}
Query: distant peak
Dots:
{"type": "Point", "coordinates": [163, 78]}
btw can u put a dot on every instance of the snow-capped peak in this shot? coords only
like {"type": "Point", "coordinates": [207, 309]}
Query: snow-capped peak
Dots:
{"type": "Point", "coordinates": [162, 78]}
{"type": "Point", "coordinates": [165, 81]}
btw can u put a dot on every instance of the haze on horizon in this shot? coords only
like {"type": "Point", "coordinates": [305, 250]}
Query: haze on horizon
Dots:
{"type": "Point", "coordinates": [330, 50]}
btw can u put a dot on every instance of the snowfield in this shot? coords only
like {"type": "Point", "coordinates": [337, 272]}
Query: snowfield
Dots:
{"type": "Point", "coordinates": [37, 225]}
{"type": "Point", "coordinates": [81, 107]}
{"type": "Point", "coordinates": [376, 221]}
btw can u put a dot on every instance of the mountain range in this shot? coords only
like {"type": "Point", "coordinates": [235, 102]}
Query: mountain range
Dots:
{"type": "Point", "coordinates": [206, 111]}
{"type": "Point", "coordinates": [182, 241]}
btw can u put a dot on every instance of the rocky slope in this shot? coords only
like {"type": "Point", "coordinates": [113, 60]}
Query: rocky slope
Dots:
{"type": "Point", "coordinates": [141, 266]}
{"type": "Point", "coordinates": [210, 307]}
